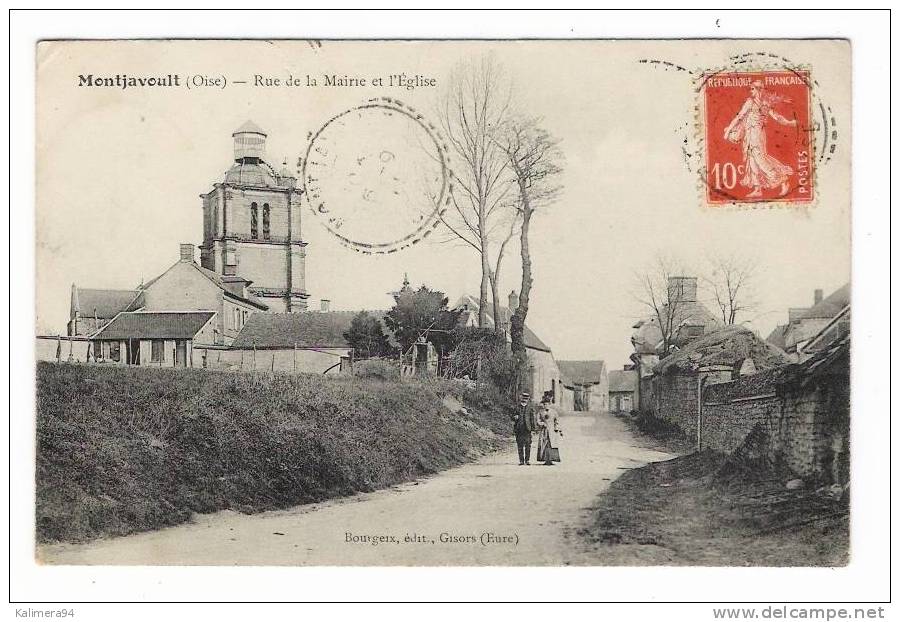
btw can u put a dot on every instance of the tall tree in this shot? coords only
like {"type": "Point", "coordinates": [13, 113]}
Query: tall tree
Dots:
{"type": "Point", "coordinates": [730, 283]}
{"type": "Point", "coordinates": [423, 312]}
{"type": "Point", "coordinates": [473, 113]}
{"type": "Point", "coordinates": [536, 160]}
{"type": "Point", "coordinates": [662, 293]}
{"type": "Point", "coordinates": [366, 336]}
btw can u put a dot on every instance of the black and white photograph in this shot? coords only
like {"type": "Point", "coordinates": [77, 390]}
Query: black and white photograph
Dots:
{"type": "Point", "coordinates": [444, 302]}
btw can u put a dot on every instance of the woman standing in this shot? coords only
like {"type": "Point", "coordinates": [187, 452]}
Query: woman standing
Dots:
{"type": "Point", "coordinates": [548, 425]}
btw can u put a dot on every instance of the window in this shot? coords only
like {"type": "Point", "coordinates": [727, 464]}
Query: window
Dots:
{"type": "Point", "coordinates": [254, 224]}
{"type": "Point", "coordinates": [157, 351]}
{"type": "Point", "coordinates": [266, 231]}
{"type": "Point", "coordinates": [114, 354]}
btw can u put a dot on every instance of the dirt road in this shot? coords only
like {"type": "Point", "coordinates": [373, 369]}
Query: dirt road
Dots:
{"type": "Point", "coordinates": [492, 512]}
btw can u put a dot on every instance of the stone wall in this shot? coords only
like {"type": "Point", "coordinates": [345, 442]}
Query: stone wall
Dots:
{"type": "Point", "coordinates": [806, 425]}
{"type": "Point", "coordinates": [675, 400]}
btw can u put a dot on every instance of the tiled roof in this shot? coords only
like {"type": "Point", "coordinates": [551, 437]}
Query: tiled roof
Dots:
{"type": "Point", "coordinates": [155, 325]}
{"type": "Point", "coordinates": [581, 372]}
{"type": "Point", "coordinates": [830, 306]}
{"type": "Point", "coordinates": [309, 329]}
{"type": "Point", "coordinates": [471, 303]}
{"type": "Point", "coordinates": [104, 303]}
{"type": "Point", "coordinates": [622, 380]}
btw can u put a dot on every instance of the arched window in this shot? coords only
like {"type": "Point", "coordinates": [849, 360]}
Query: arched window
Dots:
{"type": "Point", "coordinates": [254, 223]}
{"type": "Point", "coordinates": [266, 230]}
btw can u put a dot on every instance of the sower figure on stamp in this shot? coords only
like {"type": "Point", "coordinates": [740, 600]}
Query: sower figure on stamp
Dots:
{"type": "Point", "coordinates": [761, 169]}
{"type": "Point", "coordinates": [523, 427]}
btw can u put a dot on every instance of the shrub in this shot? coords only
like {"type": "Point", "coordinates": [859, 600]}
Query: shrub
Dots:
{"type": "Point", "coordinates": [377, 369]}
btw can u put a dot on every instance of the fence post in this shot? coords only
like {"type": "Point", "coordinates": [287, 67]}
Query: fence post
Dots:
{"type": "Point", "coordinates": [295, 357]}
{"type": "Point", "coordinates": [273, 361]}
{"type": "Point", "coordinates": [71, 356]}
{"type": "Point", "coordinates": [254, 357]}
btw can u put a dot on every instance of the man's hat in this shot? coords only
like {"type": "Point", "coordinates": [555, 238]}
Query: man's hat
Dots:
{"type": "Point", "coordinates": [525, 394]}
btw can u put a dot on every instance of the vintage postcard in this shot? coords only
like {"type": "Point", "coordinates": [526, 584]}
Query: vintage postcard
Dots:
{"type": "Point", "coordinates": [443, 303]}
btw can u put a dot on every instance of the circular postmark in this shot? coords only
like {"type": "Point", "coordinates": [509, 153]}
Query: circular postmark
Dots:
{"type": "Point", "coordinates": [377, 176]}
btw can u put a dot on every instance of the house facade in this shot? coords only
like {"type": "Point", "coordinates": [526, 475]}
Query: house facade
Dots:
{"type": "Point", "coordinates": [585, 385]}
{"type": "Point", "coordinates": [622, 390]}
{"type": "Point", "coordinates": [804, 331]}
{"type": "Point", "coordinates": [298, 342]}
{"type": "Point", "coordinates": [688, 320]}
{"type": "Point", "coordinates": [148, 338]}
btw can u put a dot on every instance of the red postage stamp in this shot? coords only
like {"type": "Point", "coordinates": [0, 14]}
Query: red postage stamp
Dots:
{"type": "Point", "coordinates": [759, 143]}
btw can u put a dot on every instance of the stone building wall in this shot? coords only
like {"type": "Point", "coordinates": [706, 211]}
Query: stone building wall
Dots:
{"type": "Point", "coordinates": [806, 426]}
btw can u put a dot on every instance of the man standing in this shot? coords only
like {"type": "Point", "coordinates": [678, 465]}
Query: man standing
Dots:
{"type": "Point", "coordinates": [523, 427]}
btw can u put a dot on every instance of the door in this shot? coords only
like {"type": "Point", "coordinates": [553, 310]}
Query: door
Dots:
{"type": "Point", "coordinates": [133, 347]}
{"type": "Point", "coordinates": [180, 353]}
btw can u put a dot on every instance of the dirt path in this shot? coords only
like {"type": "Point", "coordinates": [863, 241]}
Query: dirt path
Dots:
{"type": "Point", "coordinates": [528, 510]}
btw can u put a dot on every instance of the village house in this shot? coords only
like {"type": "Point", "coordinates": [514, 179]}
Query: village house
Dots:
{"type": "Point", "coordinates": [297, 342]}
{"type": "Point", "coordinates": [622, 390]}
{"type": "Point", "coordinates": [252, 257]}
{"type": "Point", "coordinates": [92, 309]}
{"type": "Point", "coordinates": [161, 339]}
{"type": "Point", "coordinates": [690, 319]}
{"type": "Point", "coordinates": [185, 286]}
{"type": "Point", "coordinates": [830, 315]}
{"type": "Point", "coordinates": [544, 375]}
{"type": "Point", "coordinates": [585, 385]}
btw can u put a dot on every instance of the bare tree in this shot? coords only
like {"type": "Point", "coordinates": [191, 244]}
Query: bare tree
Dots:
{"type": "Point", "coordinates": [730, 284]}
{"type": "Point", "coordinates": [536, 159]}
{"type": "Point", "coordinates": [473, 112]}
{"type": "Point", "coordinates": [662, 292]}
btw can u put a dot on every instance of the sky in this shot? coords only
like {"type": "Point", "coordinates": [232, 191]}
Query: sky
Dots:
{"type": "Point", "coordinates": [119, 173]}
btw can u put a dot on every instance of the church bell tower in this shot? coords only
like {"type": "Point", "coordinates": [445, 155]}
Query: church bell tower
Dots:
{"type": "Point", "coordinates": [251, 226]}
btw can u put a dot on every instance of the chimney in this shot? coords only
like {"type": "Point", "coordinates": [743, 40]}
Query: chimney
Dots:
{"type": "Point", "coordinates": [817, 296]}
{"type": "Point", "coordinates": [513, 301]}
{"type": "Point", "coordinates": [683, 288]}
{"type": "Point", "coordinates": [325, 305]}
{"type": "Point", "coordinates": [187, 252]}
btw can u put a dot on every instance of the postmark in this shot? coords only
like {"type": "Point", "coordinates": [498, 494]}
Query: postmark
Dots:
{"type": "Point", "coordinates": [758, 135]}
{"type": "Point", "coordinates": [377, 176]}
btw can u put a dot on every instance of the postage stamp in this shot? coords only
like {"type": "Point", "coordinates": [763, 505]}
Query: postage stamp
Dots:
{"type": "Point", "coordinates": [758, 136]}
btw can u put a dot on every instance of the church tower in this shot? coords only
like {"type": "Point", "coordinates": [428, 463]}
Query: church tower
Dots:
{"type": "Point", "coordinates": [251, 226]}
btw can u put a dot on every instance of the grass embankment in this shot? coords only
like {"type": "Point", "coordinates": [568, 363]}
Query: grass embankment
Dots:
{"type": "Point", "coordinates": [715, 510]}
{"type": "Point", "coordinates": [121, 450]}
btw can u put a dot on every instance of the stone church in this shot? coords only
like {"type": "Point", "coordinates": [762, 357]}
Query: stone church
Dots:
{"type": "Point", "coordinates": [251, 226]}
{"type": "Point", "coordinates": [252, 259]}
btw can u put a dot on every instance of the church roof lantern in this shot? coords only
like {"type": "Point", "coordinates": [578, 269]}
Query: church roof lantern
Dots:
{"type": "Point", "coordinates": [249, 143]}
{"type": "Point", "coordinates": [249, 127]}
